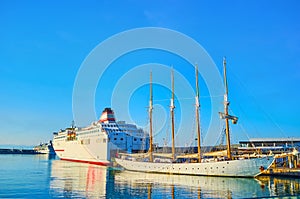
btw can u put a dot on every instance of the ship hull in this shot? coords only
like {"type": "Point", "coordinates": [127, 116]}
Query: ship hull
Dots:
{"type": "Point", "coordinates": [92, 150]}
{"type": "Point", "coordinates": [95, 162]}
{"type": "Point", "coordinates": [233, 168]}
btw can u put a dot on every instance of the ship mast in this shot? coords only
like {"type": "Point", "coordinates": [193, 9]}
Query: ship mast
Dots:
{"type": "Point", "coordinates": [225, 115]}
{"type": "Point", "coordinates": [226, 104]}
{"type": "Point", "coordinates": [172, 107]}
{"type": "Point", "coordinates": [197, 105]}
{"type": "Point", "coordinates": [150, 121]}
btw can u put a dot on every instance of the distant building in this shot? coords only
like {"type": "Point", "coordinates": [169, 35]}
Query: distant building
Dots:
{"type": "Point", "coordinates": [265, 145]}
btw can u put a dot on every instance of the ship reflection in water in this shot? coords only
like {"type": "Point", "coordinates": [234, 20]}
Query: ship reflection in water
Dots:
{"type": "Point", "coordinates": [81, 180]}
{"type": "Point", "coordinates": [69, 179]}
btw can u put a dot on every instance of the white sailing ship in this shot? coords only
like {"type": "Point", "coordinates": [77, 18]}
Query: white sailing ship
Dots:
{"type": "Point", "coordinates": [217, 166]}
{"type": "Point", "coordinates": [99, 142]}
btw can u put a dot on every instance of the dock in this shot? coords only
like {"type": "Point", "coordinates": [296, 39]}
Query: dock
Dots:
{"type": "Point", "coordinates": [290, 172]}
{"type": "Point", "coordinates": [18, 151]}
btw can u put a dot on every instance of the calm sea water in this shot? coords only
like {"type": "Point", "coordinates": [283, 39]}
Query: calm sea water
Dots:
{"type": "Point", "coordinates": [41, 176]}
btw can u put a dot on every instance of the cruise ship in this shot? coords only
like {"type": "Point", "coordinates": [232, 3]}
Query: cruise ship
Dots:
{"type": "Point", "coordinates": [99, 142]}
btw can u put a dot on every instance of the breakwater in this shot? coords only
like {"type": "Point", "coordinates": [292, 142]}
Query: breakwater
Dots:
{"type": "Point", "coordinates": [18, 151]}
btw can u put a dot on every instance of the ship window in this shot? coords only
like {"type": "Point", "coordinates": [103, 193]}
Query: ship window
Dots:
{"type": "Point", "coordinates": [134, 139]}
{"type": "Point", "coordinates": [115, 138]}
{"type": "Point", "coordinates": [104, 140]}
{"type": "Point", "coordinates": [141, 139]}
{"type": "Point", "coordinates": [121, 138]}
{"type": "Point", "coordinates": [86, 141]}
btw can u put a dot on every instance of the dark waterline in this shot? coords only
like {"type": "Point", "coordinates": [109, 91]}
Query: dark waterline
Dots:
{"type": "Point", "coordinates": [41, 176]}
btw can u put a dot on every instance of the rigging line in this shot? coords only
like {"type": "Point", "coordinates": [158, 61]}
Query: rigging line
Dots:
{"type": "Point", "coordinates": [167, 128]}
{"type": "Point", "coordinates": [189, 98]}
{"type": "Point", "coordinates": [245, 132]}
{"type": "Point", "coordinates": [243, 129]}
{"type": "Point", "coordinates": [259, 106]}
{"type": "Point", "coordinates": [211, 96]}
{"type": "Point", "coordinates": [222, 136]}
{"type": "Point", "coordinates": [193, 137]}
{"type": "Point", "coordinates": [221, 133]}
{"type": "Point", "coordinates": [174, 99]}
{"type": "Point", "coordinates": [246, 118]}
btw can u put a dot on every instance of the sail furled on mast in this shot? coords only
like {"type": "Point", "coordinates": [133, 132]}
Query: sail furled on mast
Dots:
{"type": "Point", "coordinates": [225, 115]}
{"type": "Point", "coordinates": [150, 120]}
{"type": "Point", "coordinates": [197, 105]}
{"type": "Point", "coordinates": [172, 107]}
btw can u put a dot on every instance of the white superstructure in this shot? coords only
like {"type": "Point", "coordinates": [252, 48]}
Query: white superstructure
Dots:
{"type": "Point", "coordinates": [100, 141]}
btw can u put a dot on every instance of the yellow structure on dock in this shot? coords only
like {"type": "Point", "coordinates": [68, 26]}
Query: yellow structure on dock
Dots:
{"type": "Point", "coordinates": [287, 164]}
{"type": "Point", "coordinates": [286, 151]}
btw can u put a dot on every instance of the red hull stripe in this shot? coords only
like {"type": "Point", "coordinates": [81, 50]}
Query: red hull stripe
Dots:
{"type": "Point", "coordinates": [59, 150]}
{"type": "Point", "coordinates": [85, 161]}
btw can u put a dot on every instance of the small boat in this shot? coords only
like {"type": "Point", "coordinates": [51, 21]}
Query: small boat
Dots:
{"type": "Point", "coordinates": [195, 164]}
{"type": "Point", "coordinates": [45, 148]}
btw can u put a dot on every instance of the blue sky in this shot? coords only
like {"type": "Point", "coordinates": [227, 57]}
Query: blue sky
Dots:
{"type": "Point", "coordinates": [43, 45]}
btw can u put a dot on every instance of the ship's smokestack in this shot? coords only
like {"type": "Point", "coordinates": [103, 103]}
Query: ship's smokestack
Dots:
{"type": "Point", "coordinates": [107, 116]}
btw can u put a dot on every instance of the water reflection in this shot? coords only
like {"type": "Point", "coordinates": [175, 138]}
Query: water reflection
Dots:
{"type": "Point", "coordinates": [70, 179]}
{"type": "Point", "coordinates": [191, 186]}
{"type": "Point", "coordinates": [279, 186]}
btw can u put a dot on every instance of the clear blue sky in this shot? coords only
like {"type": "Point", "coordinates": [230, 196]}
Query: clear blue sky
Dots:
{"type": "Point", "coordinates": [43, 44]}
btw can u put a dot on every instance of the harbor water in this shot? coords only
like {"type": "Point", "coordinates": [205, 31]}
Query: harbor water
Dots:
{"type": "Point", "coordinates": [43, 176]}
